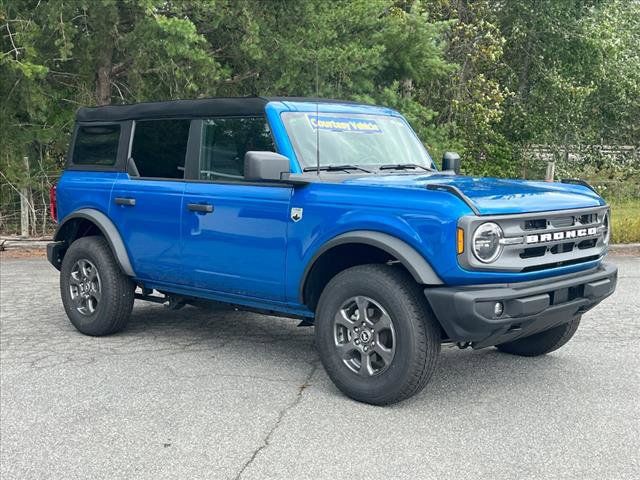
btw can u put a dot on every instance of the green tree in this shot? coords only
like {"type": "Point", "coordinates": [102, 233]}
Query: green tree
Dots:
{"type": "Point", "coordinates": [59, 55]}
{"type": "Point", "coordinates": [471, 100]}
{"type": "Point", "coordinates": [489, 79]}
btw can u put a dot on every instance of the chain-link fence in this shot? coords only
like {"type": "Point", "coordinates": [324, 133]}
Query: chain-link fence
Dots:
{"type": "Point", "coordinates": [24, 208]}
{"type": "Point", "coordinates": [597, 162]}
{"type": "Point", "coordinates": [614, 171]}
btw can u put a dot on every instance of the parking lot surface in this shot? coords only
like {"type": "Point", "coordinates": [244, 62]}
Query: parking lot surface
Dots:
{"type": "Point", "coordinates": [203, 394]}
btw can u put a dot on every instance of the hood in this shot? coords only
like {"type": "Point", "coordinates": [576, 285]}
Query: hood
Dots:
{"type": "Point", "coordinates": [494, 196]}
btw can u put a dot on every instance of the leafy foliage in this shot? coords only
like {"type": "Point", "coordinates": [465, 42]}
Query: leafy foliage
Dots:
{"type": "Point", "coordinates": [493, 80]}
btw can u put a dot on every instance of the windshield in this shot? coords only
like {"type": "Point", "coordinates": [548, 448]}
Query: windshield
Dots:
{"type": "Point", "coordinates": [354, 139]}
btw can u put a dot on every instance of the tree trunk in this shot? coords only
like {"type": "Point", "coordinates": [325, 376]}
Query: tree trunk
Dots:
{"type": "Point", "coordinates": [103, 76]}
{"type": "Point", "coordinates": [523, 81]}
{"type": "Point", "coordinates": [406, 88]}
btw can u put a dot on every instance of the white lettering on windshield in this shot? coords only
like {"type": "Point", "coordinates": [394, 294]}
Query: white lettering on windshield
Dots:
{"type": "Point", "coordinates": [344, 124]}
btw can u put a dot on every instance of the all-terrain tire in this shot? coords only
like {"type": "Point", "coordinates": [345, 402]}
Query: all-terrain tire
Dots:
{"type": "Point", "coordinates": [543, 342]}
{"type": "Point", "coordinates": [104, 313]}
{"type": "Point", "coordinates": [417, 334]}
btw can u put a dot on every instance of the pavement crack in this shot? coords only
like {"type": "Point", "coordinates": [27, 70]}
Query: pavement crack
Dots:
{"type": "Point", "coordinates": [267, 439]}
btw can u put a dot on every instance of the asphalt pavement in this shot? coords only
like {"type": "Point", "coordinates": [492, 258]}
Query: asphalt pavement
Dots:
{"type": "Point", "coordinates": [194, 394]}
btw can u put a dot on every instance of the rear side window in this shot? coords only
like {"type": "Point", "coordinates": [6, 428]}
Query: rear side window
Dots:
{"type": "Point", "coordinates": [160, 147]}
{"type": "Point", "coordinates": [96, 145]}
{"type": "Point", "coordinates": [226, 140]}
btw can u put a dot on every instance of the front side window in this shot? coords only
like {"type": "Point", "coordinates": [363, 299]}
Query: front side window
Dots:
{"type": "Point", "coordinates": [353, 139]}
{"type": "Point", "coordinates": [96, 145]}
{"type": "Point", "coordinates": [159, 147]}
{"type": "Point", "coordinates": [225, 142]}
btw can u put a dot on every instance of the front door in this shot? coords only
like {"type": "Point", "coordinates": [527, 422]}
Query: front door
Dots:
{"type": "Point", "coordinates": [146, 202]}
{"type": "Point", "coordinates": [233, 232]}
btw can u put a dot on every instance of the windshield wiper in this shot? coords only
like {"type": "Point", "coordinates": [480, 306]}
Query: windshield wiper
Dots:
{"type": "Point", "coordinates": [334, 168]}
{"type": "Point", "coordinates": [404, 166]}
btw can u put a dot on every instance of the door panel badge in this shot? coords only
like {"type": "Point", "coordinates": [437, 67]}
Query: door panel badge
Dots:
{"type": "Point", "coordinates": [296, 214]}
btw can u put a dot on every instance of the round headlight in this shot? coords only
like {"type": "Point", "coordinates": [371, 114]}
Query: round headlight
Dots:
{"type": "Point", "coordinates": [607, 229]}
{"type": "Point", "coordinates": [486, 242]}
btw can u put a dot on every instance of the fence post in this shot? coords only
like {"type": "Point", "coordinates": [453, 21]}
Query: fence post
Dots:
{"type": "Point", "coordinates": [24, 201]}
{"type": "Point", "coordinates": [551, 170]}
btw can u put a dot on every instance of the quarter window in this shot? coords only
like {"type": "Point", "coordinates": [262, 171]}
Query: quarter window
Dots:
{"type": "Point", "coordinates": [160, 147]}
{"type": "Point", "coordinates": [96, 145]}
{"type": "Point", "coordinates": [224, 143]}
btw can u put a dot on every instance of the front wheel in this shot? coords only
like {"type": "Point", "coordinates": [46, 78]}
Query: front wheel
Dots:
{"type": "Point", "coordinates": [377, 338]}
{"type": "Point", "coordinates": [543, 342]}
{"type": "Point", "coordinates": [96, 295]}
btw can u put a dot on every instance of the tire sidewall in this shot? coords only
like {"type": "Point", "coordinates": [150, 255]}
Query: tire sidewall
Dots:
{"type": "Point", "coordinates": [391, 381]}
{"type": "Point", "coordinates": [96, 251]}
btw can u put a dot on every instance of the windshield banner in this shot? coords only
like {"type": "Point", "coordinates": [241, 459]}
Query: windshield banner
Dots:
{"type": "Point", "coordinates": [343, 124]}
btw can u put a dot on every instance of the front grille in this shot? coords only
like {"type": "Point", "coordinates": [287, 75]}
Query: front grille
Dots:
{"type": "Point", "coordinates": [537, 224]}
{"type": "Point", "coordinates": [587, 244]}
{"type": "Point", "coordinates": [541, 241]}
{"type": "Point", "coordinates": [588, 219]}
{"type": "Point", "coordinates": [533, 252]}
{"type": "Point", "coordinates": [545, 266]}
{"type": "Point", "coordinates": [563, 222]}
{"type": "Point", "coordinates": [562, 248]}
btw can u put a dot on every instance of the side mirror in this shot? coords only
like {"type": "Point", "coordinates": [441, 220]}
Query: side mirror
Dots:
{"type": "Point", "coordinates": [266, 166]}
{"type": "Point", "coordinates": [451, 162]}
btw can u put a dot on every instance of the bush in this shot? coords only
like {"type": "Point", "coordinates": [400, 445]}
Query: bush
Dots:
{"type": "Point", "coordinates": [625, 221]}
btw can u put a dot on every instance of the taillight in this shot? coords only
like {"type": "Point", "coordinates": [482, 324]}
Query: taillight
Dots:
{"type": "Point", "coordinates": [53, 210]}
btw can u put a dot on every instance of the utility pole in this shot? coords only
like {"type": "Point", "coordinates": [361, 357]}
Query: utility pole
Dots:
{"type": "Point", "coordinates": [24, 201]}
{"type": "Point", "coordinates": [551, 170]}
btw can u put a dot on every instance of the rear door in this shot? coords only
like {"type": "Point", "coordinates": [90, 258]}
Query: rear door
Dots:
{"type": "Point", "coordinates": [233, 232]}
{"type": "Point", "coordinates": [146, 202]}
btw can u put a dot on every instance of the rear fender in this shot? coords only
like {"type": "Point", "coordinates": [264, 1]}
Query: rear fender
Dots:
{"type": "Point", "coordinates": [67, 232]}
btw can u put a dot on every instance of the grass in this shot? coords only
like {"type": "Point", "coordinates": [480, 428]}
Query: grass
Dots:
{"type": "Point", "coordinates": [625, 221]}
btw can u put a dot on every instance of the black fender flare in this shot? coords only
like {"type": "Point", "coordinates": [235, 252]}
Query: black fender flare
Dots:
{"type": "Point", "coordinates": [413, 261]}
{"type": "Point", "coordinates": [109, 231]}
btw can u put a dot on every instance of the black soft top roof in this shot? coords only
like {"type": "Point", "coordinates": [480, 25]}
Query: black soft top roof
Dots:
{"type": "Point", "coordinates": [203, 107]}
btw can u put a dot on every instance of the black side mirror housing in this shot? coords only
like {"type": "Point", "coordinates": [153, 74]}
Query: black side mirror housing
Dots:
{"type": "Point", "coordinates": [266, 166]}
{"type": "Point", "coordinates": [451, 162]}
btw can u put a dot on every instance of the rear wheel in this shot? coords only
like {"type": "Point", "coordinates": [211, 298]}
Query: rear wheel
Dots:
{"type": "Point", "coordinates": [96, 295]}
{"type": "Point", "coordinates": [543, 342]}
{"type": "Point", "coordinates": [378, 340]}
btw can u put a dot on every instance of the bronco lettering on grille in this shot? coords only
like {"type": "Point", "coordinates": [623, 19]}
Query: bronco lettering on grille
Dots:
{"type": "Point", "coordinates": [564, 235]}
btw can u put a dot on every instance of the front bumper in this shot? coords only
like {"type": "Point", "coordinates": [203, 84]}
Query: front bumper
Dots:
{"type": "Point", "coordinates": [467, 313]}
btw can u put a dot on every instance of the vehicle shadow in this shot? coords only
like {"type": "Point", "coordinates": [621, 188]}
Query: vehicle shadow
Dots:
{"type": "Point", "coordinates": [191, 323]}
{"type": "Point", "coordinates": [280, 342]}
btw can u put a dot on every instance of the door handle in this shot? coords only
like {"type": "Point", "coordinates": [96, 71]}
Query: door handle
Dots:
{"type": "Point", "coordinates": [128, 202]}
{"type": "Point", "coordinates": [200, 207]}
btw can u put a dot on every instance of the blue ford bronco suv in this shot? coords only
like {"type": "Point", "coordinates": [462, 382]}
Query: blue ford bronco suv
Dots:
{"type": "Point", "coordinates": [329, 212]}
